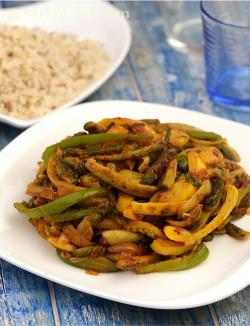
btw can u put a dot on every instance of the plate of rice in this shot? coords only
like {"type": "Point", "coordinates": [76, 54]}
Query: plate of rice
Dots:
{"type": "Point", "coordinates": [55, 54]}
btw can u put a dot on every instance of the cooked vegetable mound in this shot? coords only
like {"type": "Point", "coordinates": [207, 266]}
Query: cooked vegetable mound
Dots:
{"type": "Point", "coordinates": [137, 195]}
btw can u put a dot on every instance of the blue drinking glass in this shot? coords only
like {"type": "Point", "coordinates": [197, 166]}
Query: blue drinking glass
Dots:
{"type": "Point", "coordinates": [226, 30]}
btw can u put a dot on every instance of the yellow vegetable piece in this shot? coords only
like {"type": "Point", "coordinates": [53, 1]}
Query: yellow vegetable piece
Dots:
{"type": "Point", "coordinates": [196, 166]}
{"type": "Point", "coordinates": [182, 235]}
{"type": "Point", "coordinates": [124, 202]}
{"type": "Point", "coordinates": [178, 138]}
{"type": "Point", "coordinates": [180, 192]}
{"type": "Point", "coordinates": [224, 212]}
{"type": "Point", "coordinates": [156, 209]}
{"type": "Point", "coordinates": [129, 213]}
{"type": "Point", "coordinates": [106, 123]}
{"type": "Point", "coordinates": [197, 197]}
{"type": "Point", "coordinates": [178, 234]}
{"type": "Point", "coordinates": [182, 223]}
{"type": "Point", "coordinates": [128, 182]}
{"type": "Point", "coordinates": [120, 236]}
{"type": "Point", "coordinates": [124, 205]}
{"type": "Point", "coordinates": [108, 224]}
{"type": "Point", "coordinates": [131, 174]}
{"type": "Point", "coordinates": [211, 156]}
{"type": "Point", "coordinates": [126, 247]}
{"type": "Point", "coordinates": [169, 248]}
{"type": "Point", "coordinates": [181, 198]}
{"type": "Point", "coordinates": [61, 243]}
{"type": "Point", "coordinates": [114, 123]}
{"type": "Point", "coordinates": [118, 129]}
{"type": "Point", "coordinates": [146, 228]}
{"type": "Point", "coordinates": [144, 164]}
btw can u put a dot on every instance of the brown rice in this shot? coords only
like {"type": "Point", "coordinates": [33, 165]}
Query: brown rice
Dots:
{"type": "Point", "coordinates": [41, 71]}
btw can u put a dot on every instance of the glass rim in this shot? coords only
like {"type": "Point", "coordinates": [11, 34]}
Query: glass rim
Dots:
{"type": "Point", "coordinates": [206, 13]}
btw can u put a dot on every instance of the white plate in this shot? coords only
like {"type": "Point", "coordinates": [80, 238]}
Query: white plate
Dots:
{"type": "Point", "coordinates": [96, 20]}
{"type": "Point", "coordinates": [225, 271]}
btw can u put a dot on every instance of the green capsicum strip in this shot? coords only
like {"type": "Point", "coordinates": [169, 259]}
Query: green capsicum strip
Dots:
{"type": "Point", "coordinates": [82, 140]}
{"type": "Point", "coordinates": [145, 151]}
{"type": "Point", "coordinates": [237, 232]}
{"type": "Point", "coordinates": [75, 214]}
{"type": "Point", "coordinates": [176, 264]}
{"type": "Point", "coordinates": [182, 162]}
{"type": "Point", "coordinates": [242, 194]}
{"type": "Point", "coordinates": [229, 152]}
{"type": "Point", "coordinates": [98, 150]}
{"type": "Point", "coordinates": [89, 250]}
{"type": "Point", "coordinates": [59, 205]}
{"type": "Point", "coordinates": [216, 194]}
{"type": "Point", "coordinates": [203, 135]}
{"type": "Point", "coordinates": [98, 264]}
{"type": "Point", "coordinates": [156, 170]}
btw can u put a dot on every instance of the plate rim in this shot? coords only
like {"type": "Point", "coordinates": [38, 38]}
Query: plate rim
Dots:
{"type": "Point", "coordinates": [93, 87]}
{"type": "Point", "coordinates": [229, 285]}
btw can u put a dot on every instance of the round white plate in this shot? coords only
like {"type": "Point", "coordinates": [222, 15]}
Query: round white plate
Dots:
{"type": "Point", "coordinates": [225, 272]}
{"type": "Point", "coordinates": [95, 20]}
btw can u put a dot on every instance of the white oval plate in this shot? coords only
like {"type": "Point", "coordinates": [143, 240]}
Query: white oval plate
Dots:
{"type": "Point", "coordinates": [225, 272]}
{"type": "Point", "coordinates": [95, 20]}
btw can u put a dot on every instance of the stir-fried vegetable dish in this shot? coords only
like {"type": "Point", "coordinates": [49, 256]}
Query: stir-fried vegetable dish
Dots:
{"type": "Point", "coordinates": [137, 195]}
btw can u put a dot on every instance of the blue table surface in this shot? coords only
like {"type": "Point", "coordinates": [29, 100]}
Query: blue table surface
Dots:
{"type": "Point", "coordinates": [154, 72]}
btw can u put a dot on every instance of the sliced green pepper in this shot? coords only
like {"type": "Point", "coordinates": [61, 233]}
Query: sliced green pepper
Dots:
{"type": "Point", "coordinates": [89, 250]}
{"type": "Point", "coordinates": [208, 238]}
{"type": "Point", "coordinates": [155, 171]}
{"type": "Point", "coordinates": [242, 194]}
{"type": "Point", "coordinates": [229, 152]}
{"type": "Point", "coordinates": [82, 140]}
{"type": "Point", "coordinates": [194, 181]}
{"type": "Point", "coordinates": [98, 264]}
{"type": "Point", "coordinates": [75, 214]}
{"type": "Point", "coordinates": [204, 217]}
{"type": "Point", "coordinates": [59, 205]}
{"type": "Point", "coordinates": [236, 232]}
{"type": "Point", "coordinates": [98, 150]}
{"type": "Point", "coordinates": [181, 126]}
{"type": "Point", "coordinates": [242, 204]}
{"type": "Point", "coordinates": [194, 132]}
{"type": "Point", "coordinates": [203, 191]}
{"type": "Point", "coordinates": [176, 264]}
{"type": "Point", "coordinates": [203, 135]}
{"type": "Point", "coordinates": [216, 194]}
{"type": "Point", "coordinates": [182, 163]}
{"type": "Point", "coordinates": [141, 152]}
